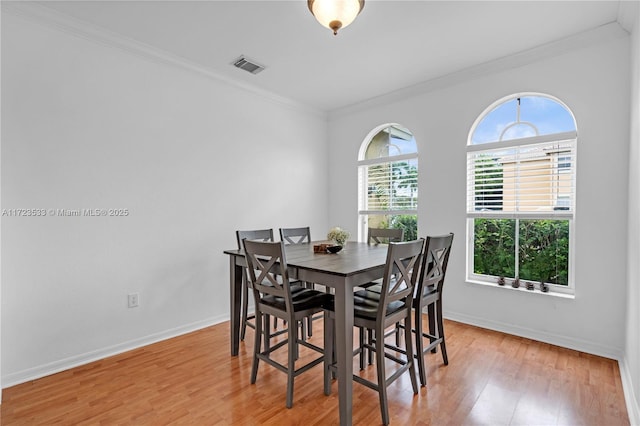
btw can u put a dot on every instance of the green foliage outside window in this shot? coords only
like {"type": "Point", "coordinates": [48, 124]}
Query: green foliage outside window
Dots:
{"type": "Point", "coordinates": [543, 249]}
{"type": "Point", "coordinates": [408, 222]}
{"type": "Point", "coordinates": [494, 247]}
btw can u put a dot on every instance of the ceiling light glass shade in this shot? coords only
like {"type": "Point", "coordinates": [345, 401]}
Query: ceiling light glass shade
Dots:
{"type": "Point", "coordinates": [335, 14]}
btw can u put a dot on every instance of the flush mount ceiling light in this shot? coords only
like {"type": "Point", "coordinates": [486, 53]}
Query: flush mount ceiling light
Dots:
{"type": "Point", "coordinates": [335, 14]}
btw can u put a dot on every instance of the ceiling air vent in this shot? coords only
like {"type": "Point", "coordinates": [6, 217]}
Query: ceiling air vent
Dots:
{"type": "Point", "coordinates": [247, 64]}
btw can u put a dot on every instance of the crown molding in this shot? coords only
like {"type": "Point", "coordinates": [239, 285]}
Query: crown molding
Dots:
{"type": "Point", "coordinates": [48, 17]}
{"type": "Point", "coordinates": [628, 14]}
{"type": "Point", "coordinates": [606, 32]}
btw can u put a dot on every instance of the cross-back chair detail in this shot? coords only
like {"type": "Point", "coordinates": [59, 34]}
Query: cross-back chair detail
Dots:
{"type": "Point", "coordinates": [385, 235]}
{"type": "Point", "coordinates": [271, 287]}
{"type": "Point", "coordinates": [257, 235]}
{"type": "Point", "coordinates": [300, 235]}
{"type": "Point", "coordinates": [295, 235]}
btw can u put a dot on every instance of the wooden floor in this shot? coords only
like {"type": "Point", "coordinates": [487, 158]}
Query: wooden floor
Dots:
{"type": "Point", "coordinates": [491, 379]}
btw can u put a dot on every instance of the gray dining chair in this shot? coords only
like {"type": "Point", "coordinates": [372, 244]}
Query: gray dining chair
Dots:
{"type": "Point", "coordinates": [381, 310]}
{"type": "Point", "coordinates": [378, 236]}
{"type": "Point", "coordinates": [429, 295]}
{"type": "Point", "coordinates": [259, 235]}
{"type": "Point", "coordinates": [300, 235]}
{"type": "Point", "coordinates": [295, 235]}
{"type": "Point", "coordinates": [269, 280]}
{"type": "Point", "coordinates": [385, 235]}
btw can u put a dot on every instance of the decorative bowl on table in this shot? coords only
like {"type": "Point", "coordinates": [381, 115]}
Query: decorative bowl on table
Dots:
{"type": "Point", "coordinates": [334, 249]}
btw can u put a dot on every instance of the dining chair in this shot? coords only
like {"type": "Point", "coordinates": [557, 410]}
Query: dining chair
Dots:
{"type": "Point", "coordinates": [429, 295]}
{"type": "Point", "coordinates": [269, 280]}
{"type": "Point", "coordinates": [300, 236]}
{"type": "Point", "coordinates": [385, 235]}
{"type": "Point", "coordinates": [255, 234]}
{"type": "Point", "coordinates": [378, 236]}
{"type": "Point", "coordinates": [295, 235]}
{"type": "Point", "coordinates": [379, 311]}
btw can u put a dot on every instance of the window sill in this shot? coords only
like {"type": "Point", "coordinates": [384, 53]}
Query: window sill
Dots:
{"type": "Point", "coordinates": [522, 289]}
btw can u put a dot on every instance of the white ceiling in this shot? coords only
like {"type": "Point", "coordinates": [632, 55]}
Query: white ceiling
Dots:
{"type": "Point", "coordinates": [391, 45]}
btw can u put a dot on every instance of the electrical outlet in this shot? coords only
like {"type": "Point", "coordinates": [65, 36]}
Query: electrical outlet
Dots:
{"type": "Point", "coordinates": [133, 300]}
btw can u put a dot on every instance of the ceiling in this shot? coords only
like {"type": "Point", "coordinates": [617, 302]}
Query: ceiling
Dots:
{"type": "Point", "coordinates": [390, 46]}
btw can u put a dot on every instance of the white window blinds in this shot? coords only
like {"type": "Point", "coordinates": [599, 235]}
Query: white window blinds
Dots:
{"type": "Point", "coordinates": [525, 177]}
{"type": "Point", "coordinates": [391, 186]}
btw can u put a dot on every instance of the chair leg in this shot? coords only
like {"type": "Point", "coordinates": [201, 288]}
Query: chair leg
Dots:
{"type": "Point", "coordinates": [420, 347]}
{"type": "Point", "coordinates": [370, 338]}
{"type": "Point", "coordinates": [443, 345]}
{"type": "Point", "coordinates": [291, 366]}
{"type": "Point", "coordinates": [245, 308]}
{"type": "Point", "coordinates": [267, 332]}
{"type": "Point", "coordinates": [362, 349]}
{"type": "Point", "coordinates": [257, 347]}
{"type": "Point", "coordinates": [328, 352]}
{"type": "Point", "coordinates": [382, 378]}
{"type": "Point", "coordinates": [303, 328]}
{"type": "Point", "coordinates": [309, 319]}
{"type": "Point", "coordinates": [410, 357]}
{"type": "Point", "coordinates": [310, 326]}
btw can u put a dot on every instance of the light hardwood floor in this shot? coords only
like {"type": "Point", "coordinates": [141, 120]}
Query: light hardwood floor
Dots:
{"type": "Point", "coordinates": [492, 379]}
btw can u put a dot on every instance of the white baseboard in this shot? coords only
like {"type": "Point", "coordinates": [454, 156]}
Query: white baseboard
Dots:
{"type": "Point", "coordinates": [541, 336]}
{"type": "Point", "coordinates": [633, 409]}
{"type": "Point", "coordinates": [82, 359]}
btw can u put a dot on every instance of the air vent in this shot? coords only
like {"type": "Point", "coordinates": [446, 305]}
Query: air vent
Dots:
{"type": "Point", "coordinates": [248, 65]}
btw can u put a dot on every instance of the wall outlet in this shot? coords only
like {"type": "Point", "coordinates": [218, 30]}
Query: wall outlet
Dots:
{"type": "Point", "coordinates": [133, 300]}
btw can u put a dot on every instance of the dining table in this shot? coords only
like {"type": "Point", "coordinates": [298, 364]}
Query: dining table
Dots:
{"type": "Point", "coordinates": [356, 264]}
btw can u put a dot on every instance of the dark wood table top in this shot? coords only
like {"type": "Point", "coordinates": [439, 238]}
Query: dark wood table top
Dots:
{"type": "Point", "coordinates": [354, 258]}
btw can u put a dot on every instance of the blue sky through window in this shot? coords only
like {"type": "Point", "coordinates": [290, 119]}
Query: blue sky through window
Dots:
{"type": "Point", "coordinates": [547, 115]}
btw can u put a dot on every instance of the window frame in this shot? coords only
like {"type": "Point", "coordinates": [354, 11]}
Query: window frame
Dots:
{"type": "Point", "coordinates": [555, 213]}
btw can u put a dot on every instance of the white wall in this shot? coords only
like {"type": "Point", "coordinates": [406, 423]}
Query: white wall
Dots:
{"type": "Point", "coordinates": [594, 82]}
{"type": "Point", "coordinates": [0, 222]}
{"type": "Point", "coordinates": [88, 126]}
{"type": "Point", "coordinates": [631, 361]}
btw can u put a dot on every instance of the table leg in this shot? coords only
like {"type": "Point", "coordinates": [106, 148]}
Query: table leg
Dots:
{"type": "Point", "coordinates": [235, 291]}
{"type": "Point", "coordinates": [344, 350]}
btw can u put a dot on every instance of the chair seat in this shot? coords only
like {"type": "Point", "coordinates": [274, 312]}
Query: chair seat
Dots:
{"type": "Point", "coordinates": [303, 299]}
{"type": "Point", "coordinates": [366, 303]}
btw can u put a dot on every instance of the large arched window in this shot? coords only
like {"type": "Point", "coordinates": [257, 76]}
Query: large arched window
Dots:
{"type": "Point", "coordinates": [388, 181]}
{"type": "Point", "coordinates": [521, 162]}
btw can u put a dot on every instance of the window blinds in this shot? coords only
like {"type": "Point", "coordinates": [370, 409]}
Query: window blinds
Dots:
{"type": "Point", "coordinates": [390, 186]}
{"type": "Point", "coordinates": [526, 177]}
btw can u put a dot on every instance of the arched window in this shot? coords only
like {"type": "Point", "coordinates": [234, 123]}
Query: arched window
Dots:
{"type": "Point", "coordinates": [521, 162]}
{"type": "Point", "coordinates": [388, 181]}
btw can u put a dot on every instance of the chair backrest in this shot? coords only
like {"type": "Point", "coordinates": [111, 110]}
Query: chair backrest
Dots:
{"type": "Point", "coordinates": [254, 235]}
{"type": "Point", "coordinates": [267, 268]}
{"type": "Point", "coordinates": [400, 274]}
{"type": "Point", "coordinates": [434, 262]}
{"type": "Point", "coordinates": [295, 235]}
{"type": "Point", "coordinates": [385, 236]}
